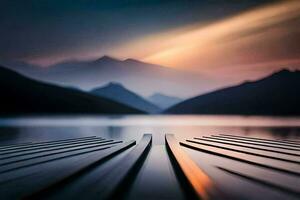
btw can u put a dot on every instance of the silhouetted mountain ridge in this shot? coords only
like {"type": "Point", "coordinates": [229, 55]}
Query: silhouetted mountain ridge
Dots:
{"type": "Point", "coordinates": [21, 95]}
{"type": "Point", "coordinates": [141, 77]}
{"type": "Point", "coordinates": [277, 94]}
{"type": "Point", "coordinates": [119, 93]}
{"type": "Point", "coordinates": [106, 58]}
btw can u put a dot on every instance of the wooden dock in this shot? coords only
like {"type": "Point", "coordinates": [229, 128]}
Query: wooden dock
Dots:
{"type": "Point", "coordinates": [280, 157]}
{"type": "Point", "coordinates": [54, 169]}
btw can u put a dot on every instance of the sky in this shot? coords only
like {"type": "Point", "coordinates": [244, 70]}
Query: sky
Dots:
{"type": "Point", "coordinates": [231, 40]}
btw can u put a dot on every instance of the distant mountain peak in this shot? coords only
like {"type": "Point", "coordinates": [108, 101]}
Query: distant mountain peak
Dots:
{"type": "Point", "coordinates": [117, 92]}
{"type": "Point", "coordinates": [285, 71]}
{"type": "Point", "coordinates": [114, 85]}
{"type": "Point", "coordinates": [107, 58]}
{"type": "Point", "coordinates": [134, 61]}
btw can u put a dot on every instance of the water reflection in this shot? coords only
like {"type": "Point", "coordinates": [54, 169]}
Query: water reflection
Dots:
{"type": "Point", "coordinates": [19, 130]}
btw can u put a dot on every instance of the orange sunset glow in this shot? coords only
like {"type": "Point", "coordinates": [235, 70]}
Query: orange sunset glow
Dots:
{"type": "Point", "coordinates": [256, 41]}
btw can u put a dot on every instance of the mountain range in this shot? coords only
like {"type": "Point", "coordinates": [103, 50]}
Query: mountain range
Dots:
{"type": "Point", "coordinates": [277, 94]}
{"type": "Point", "coordinates": [142, 78]}
{"type": "Point", "coordinates": [21, 95]}
{"type": "Point", "coordinates": [119, 93]}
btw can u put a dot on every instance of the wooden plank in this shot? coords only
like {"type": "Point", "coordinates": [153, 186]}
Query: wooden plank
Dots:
{"type": "Point", "coordinates": [45, 143]}
{"type": "Point", "coordinates": [14, 172]}
{"type": "Point", "coordinates": [50, 148]}
{"type": "Point", "coordinates": [283, 179]}
{"type": "Point", "coordinates": [258, 141]}
{"type": "Point", "coordinates": [24, 161]}
{"type": "Point", "coordinates": [123, 173]}
{"type": "Point", "coordinates": [288, 189]}
{"type": "Point", "coordinates": [249, 159]}
{"type": "Point", "coordinates": [199, 181]}
{"type": "Point", "coordinates": [14, 145]}
{"type": "Point", "coordinates": [291, 140]}
{"type": "Point", "coordinates": [250, 152]}
{"type": "Point", "coordinates": [41, 144]}
{"type": "Point", "coordinates": [264, 139]}
{"type": "Point", "coordinates": [67, 173]}
{"type": "Point", "coordinates": [251, 146]}
{"type": "Point", "coordinates": [257, 144]}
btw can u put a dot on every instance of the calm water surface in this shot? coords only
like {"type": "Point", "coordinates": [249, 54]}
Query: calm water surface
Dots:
{"type": "Point", "coordinates": [19, 130]}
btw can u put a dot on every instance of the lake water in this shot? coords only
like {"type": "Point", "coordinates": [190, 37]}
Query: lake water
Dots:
{"type": "Point", "coordinates": [19, 130]}
{"type": "Point", "coordinates": [157, 171]}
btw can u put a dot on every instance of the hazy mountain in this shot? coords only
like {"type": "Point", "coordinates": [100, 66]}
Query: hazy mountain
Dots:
{"type": "Point", "coordinates": [119, 93]}
{"type": "Point", "coordinates": [22, 67]}
{"type": "Point", "coordinates": [142, 78]}
{"type": "Point", "coordinates": [163, 101]}
{"type": "Point", "coordinates": [277, 94]}
{"type": "Point", "coordinates": [21, 95]}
